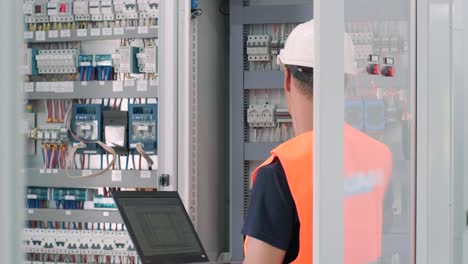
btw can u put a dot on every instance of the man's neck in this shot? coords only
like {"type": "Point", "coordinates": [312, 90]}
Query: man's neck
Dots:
{"type": "Point", "coordinates": [304, 119]}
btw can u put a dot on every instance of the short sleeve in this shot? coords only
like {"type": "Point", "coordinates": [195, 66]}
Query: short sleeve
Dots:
{"type": "Point", "coordinates": [271, 209]}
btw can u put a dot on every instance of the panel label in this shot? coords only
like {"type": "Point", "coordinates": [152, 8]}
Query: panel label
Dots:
{"type": "Point", "coordinates": [28, 87]}
{"type": "Point", "coordinates": [107, 31]}
{"type": "Point", "coordinates": [142, 85]}
{"type": "Point", "coordinates": [65, 33]}
{"type": "Point", "coordinates": [28, 35]}
{"type": "Point", "coordinates": [86, 172]}
{"type": "Point", "coordinates": [145, 174]}
{"type": "Point", "coordinates": [40, 35]}
{"type": "Point", "coordinates": [129, 83]}
{"type": "Point", "coordinates": [82, 32]}
{"type": "Point", "coordinates": [53, 33]}
{"type": "Point", "coordinates": [117, 86]}
{"type": "Point", "coordinates": [116, 176]}
{"type": "Point", "coordinates": [143, 30]}
{"type": "Point", "coordinates": [118, 31]}
{"type": "Point", "coordinates": [95, 32]}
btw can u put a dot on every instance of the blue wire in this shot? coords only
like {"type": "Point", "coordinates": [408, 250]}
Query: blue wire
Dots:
{"type": "Point", "coordinates": [126, 162]}
{"type": "Point", "coordinates": [102, 161]}
{"type": "Point", "coordinates": [81, 72]}
{"type": "Point", "coordinates": [43, 156]}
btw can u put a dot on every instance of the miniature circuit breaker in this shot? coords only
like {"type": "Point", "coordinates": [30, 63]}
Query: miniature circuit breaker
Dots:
{"type": "Point", "coordinates": [143, 126]}
{"type": "Point", "coordinates": [56, 61]}
{"type": "Point", "coordinates": [148, 8]}
{"type": "Point", "coordinates": [125, 9]}
{"type": "Point", "coordinates": [124, 60]}
{"type": "Point", "coordinates": [261, 115]}
{"type": "Point", "coordinates": [81, 11]}
{"type": "Point", "coordinates": [259, 48]}
{"type": "Point", "coordinates": [95, 10]}
{"type": "Point", "coordinates": [87, 126]}
{"type": "Point", "coordinates": [35, 11]}
{"type": "Point", "coordinates": [107, 10]}
{"type": "Point", "coordinates": [147, 59]}
{"type": "Point", "coordinates": [60, 11]}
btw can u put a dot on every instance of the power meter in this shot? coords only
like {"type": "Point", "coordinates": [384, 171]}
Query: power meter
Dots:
{"type": "Point", "coordinates": [87, 126]}
{"type": "Point", "coordinates": [143, 126]}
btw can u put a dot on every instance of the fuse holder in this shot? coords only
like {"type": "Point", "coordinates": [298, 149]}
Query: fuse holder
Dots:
{"type": "Point", "coordinates": [388, 71]}
{"type": "Point", "coordinates": [373, 69]}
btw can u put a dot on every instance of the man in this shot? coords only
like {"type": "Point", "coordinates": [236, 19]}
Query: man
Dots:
{"type": "Point", "coordinates": [278, 226]}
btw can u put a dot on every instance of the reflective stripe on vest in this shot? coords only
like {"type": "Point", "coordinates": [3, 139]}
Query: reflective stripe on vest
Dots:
{"type": "Point", "coordinates": [368, 165]}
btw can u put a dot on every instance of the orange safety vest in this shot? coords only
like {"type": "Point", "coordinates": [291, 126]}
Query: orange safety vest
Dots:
{"type": "Point", "coordinates": [368, 165]}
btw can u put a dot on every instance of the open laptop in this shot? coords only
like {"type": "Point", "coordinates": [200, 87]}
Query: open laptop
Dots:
{"type": "Point", "coordinates": [160, 227]}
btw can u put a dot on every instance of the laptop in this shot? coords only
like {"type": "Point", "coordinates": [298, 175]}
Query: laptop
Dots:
{"type": "Point", "coordinates": [160, 227]}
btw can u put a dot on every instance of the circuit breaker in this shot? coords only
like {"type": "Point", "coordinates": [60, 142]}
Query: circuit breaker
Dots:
{"type": "Point", "coordinates": [56, 61]}
{"type": "Point", "coordinates": [81, 11]}
{"type": "Point", "coordinates": [148, 8]}
{"type": "Point", "coordinates": [124, 59]}
{"type": "Point", "coordinates": [147, 59]}
{"type": "Point", "coordinates": [87, 126]}
{"type": "Point", "coordinates": [143, 126]}
{"type": "Point", "coordinates": [35, 11]}
{"type": "Point", "coordinates": [258, 48]}
{"type": "Point", "coordinates": [261, 115]}
{"type": "Point", "coordinates": [60, 11]}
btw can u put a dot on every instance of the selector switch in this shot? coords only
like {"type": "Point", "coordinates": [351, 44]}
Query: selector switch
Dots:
{"type": "Point", "coordinates": [374, 67]}
{"type": "Point", "coordinates": [388, 71]}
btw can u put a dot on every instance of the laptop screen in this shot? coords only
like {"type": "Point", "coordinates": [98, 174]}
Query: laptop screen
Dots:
{"type": "Point", "coordinates": [159, 226]}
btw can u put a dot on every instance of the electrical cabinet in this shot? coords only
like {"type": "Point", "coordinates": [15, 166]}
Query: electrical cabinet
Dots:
{"type": "Point", "coordinates": [99, 119]}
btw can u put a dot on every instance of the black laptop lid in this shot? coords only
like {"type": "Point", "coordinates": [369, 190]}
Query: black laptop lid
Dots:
{"type": "Point", "coordinates": [160, 227]}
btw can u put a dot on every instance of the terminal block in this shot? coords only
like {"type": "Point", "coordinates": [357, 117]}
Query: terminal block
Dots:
{"type": "Point", "coordinates": [60, 11]}
{"type": "Point", "coordinates": [72, 194]}
{"type": "Point", "coordinates": [147, 59]}
{"type": "Point", "coordinates": [49, 135]}
{"type": "Point", "coordinates": [261, 116]}
{"type": "Point", "coordinates": [35, 11]}
{"type": "Point", "coordinates": [101, 202]}
{"type": "Point", "coordinates": [124, 60]}
{"type": "Point", "coordinates": [81, 11]}
{"type": "Point", "coordinates": [38, 193]}
{"type": "Point", "coordinates": [148, 8]}
{"type": "Point", "coordinates": [87, 125]}
{"type": "Point", "coordinates": [143, 126]}
{"type": "Point", "coordinates": [259, 48]}
{"type": "Point", "coordinates": [56, 61]}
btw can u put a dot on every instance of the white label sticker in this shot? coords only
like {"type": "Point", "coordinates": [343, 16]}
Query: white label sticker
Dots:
{"type": "Point", "coordinates": [82, 32]}
{"type": "Point", "coordinates": [65, 33]}
{"type": "Point", "coordinates": [40, 35]}
{"type": "Point", "coordinates": [142, 86]}
{"type": "Point", "coordinates": [41, 171]}
{"type": "Point", "coordinates": [55, 171]}
{"type": "Point", "coordinates": [48, 171]}
{"type": "Point", "coordinates": [28, 35]}
{"type": "Point", "coordinates": [143, 30]}
{"type": "Point", "coordinates": [95, 32]}
{"type": "Point", "coordinates": [28, 87]}
{"type": "Point", "coordinates": [118, 31]}
{"type": "Point", "coordinates": [129, 83]}
{"type": "Point", "coordinates": [86, 172]}
{"type": "Point", "coordinates": [145, 174]}
{"type": "Point", "coordinates": [154, 82]}
{"type": "Point", "coordinates": [102, 83]}
{"type": "Point", "coordinates": [107, 31]}
{"type": "Point", "coordinates": [64, 87]}
{"type": "Point", "coordinates": [42, 87]}
{"type": "Point", "coordinates": [70, 197]}
{"type": "Point", "coordinates": [32, 196]}
{"type": "Point", "coordinates": [53, 33]}
{"type": "Point", "coordinates": [130, 28]}
{"type": "Point", "coordinates": [105, 214]}
{"type": "Point", "coordinates": [116, 176]}
{"type": "Point", "coordinates": [84, 83]}
{"type": "Point", "coordinates": [117, 86]}
{"type": "Point", "coordinates": [67, 212]}
{"type": "Point", "coordinates": [30, 211]}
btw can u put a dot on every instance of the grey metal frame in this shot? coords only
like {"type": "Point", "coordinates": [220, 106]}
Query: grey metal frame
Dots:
{"type": "Point", "coordinates": [12, 180]}
{"type": "Point", "coordinates": [239, 81]}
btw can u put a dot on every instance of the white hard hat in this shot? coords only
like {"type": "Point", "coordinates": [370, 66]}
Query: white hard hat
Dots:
{"type": "Point", "coordinates": [299, 49]}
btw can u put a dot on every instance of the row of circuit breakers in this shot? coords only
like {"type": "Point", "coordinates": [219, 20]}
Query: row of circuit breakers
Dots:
{"type": "Point", "coordinates": [363, 114]}
{"type": "Point", "coordinates": [44, 11]}
{"type": "Point", "coordinates": [262, 48]}
{"type": "Point", "coordinates": [121, 130]}
{"type": "Point", "coordinates": [125, 59]}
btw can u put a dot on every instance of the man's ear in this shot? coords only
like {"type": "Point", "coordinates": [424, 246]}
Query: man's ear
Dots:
{"type": "Point", "coordinates": [287, 80]}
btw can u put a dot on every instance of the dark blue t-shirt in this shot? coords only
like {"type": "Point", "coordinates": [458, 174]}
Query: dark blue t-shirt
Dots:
{"type": "Point", "coordinates": [271, 214]}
